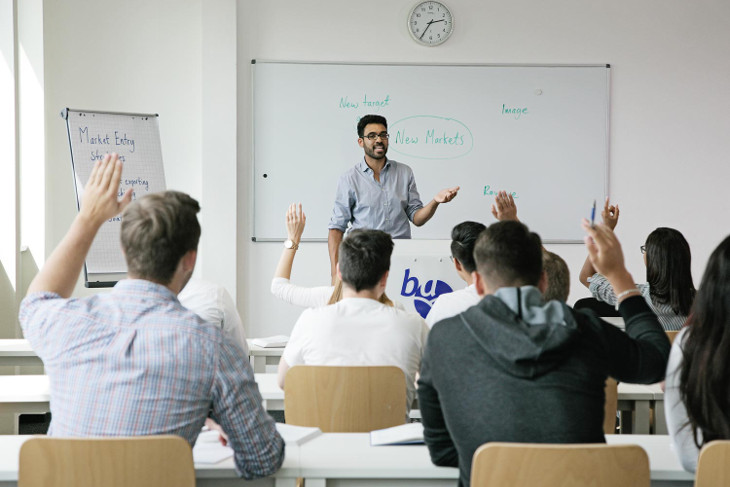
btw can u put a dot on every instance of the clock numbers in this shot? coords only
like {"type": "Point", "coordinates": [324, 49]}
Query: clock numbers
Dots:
{"type": "Point", "coordinates": [430, 23]}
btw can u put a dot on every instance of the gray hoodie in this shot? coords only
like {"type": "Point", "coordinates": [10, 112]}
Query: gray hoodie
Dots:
{"type": "Point", "coordinates": [513, 368]}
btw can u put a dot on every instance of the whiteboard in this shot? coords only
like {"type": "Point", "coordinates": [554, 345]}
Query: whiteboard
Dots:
{"type": "Point", "coordinates": [538, 131]}
{"type": "Point", "coordinates": [136, 138]}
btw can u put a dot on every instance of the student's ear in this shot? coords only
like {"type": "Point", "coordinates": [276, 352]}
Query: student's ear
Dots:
{"type": "Point", "coordinates": [457, 264]}
{"type": "Point", "coordinates": [542, 284]}
{"type": "Point", "coordinates": [360, 142]}
{"type": "Point", "coordinates": [189, 259]}
{"type": "Point", "coordinates": [339, 274]}
{"type": "Point", "coordinates": [479, 284]}
{"type": "Point", "coordinates": [384, 280]}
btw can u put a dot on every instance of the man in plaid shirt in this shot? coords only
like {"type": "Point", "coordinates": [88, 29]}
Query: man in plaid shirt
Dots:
{"type": "Point", "coordinates": [135, 361]}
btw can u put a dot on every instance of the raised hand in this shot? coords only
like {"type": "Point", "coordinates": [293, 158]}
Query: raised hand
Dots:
{"type": "Point", "coordinates": [100, 201]}
{"type": "Point", "coordinates": [610, 215]}
{"type": "Point", "coordinates": [295, 222]}
{"type": "Point", "coordinates": [504, 207]}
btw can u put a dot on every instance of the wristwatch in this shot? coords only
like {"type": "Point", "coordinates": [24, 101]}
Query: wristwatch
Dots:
{"type": "Point", "coordinates": [289, 244]}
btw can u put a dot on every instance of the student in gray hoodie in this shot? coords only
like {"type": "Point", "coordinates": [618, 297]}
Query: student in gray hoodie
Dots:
{"type": "Point", "coordinates": [514, 368]}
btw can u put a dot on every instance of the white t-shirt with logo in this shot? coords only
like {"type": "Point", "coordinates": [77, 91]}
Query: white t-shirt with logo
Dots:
{"type": "Point", "coordinates": [359, 331]}
{"type": "Point", "coordinates": [451, 304]}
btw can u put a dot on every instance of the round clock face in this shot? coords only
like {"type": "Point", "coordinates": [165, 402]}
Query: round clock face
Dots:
{"type": "Point", "coordinates": [430, 23]}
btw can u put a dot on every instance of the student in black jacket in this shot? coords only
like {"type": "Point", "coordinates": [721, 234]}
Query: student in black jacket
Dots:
{"type": "Point", "coordinates": [514, 368]}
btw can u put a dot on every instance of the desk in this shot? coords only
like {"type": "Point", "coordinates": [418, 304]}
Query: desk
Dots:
{"type": "Point", "coordinates": [17, 352]}
{"type": "Point", "coordinates": [260, 357]}
{"type": "Point", "coordinates": [347, 459]}
{"type": "Point", "coordinates": [31, 394]}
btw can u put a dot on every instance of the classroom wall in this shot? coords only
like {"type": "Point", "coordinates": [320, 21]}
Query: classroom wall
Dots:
{"type": "Point", "coordinates": [669, 118]}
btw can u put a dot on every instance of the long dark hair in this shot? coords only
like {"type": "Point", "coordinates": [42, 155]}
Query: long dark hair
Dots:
{"type": "Point", "coordinates": [669, 270]}
{"type": "Point", "coordinates": [705, 370]}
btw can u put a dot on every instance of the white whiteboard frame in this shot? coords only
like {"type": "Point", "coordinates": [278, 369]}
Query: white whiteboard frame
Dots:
{"type": "Point", "coordinates": [606, 164]}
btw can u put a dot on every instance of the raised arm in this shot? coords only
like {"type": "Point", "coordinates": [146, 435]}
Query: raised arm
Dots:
{"type": "Point", "coordinates": [609, 215]}
{"type": "Point", "coordinates": [424, 214]}
{"type": "Point", "coordinates": [504, 207]}
{"type": "Point", "coordinates": [295, 222]}
{"type": "Point", "coordinates": [99, 203]}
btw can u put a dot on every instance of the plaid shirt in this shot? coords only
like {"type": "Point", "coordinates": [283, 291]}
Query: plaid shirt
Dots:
{"type": "Point", "coordinates": [136, 362]}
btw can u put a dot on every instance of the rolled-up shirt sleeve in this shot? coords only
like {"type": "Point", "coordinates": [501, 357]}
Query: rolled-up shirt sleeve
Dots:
{"type": "Point", "coordinates": [414, 199]}
{"type": "Point", "coordinates": [342, 211]}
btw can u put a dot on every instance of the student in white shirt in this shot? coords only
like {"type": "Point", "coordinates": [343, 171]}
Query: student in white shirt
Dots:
{"type": "Point", "coordinates": [213, 303]}
{"type": "Point", "coordinates": [463, 237]}
{"type": "Point", "coordinates": [359, 329]}
{"type": "Point", "coordinates": [306, 297]}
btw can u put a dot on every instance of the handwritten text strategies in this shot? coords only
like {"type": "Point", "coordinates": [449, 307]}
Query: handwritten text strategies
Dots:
{"type": "Point", "coordinates": [430, 137]}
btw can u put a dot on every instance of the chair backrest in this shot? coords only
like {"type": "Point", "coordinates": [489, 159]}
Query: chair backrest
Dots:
{"type": "Point", "coordinates": [713, 466]}
{"type": "Point", "coordinates": [547, 465]}
{"type": "Point", "coordinates": [672, 334]}
{"type": "Point", "coordinates": [143, 461]}
{"type": "Point", "coordinates": [345, 399]}
{"type": "Point", "coordinates": [610, 406]}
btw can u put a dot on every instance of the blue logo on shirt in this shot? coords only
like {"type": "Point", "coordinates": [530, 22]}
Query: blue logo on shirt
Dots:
{"type": "Point", "coordinates": [423, 296]}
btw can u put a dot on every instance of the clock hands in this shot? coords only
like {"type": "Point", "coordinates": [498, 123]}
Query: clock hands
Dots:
{"type": "Point", "coordinates": [429, 25]}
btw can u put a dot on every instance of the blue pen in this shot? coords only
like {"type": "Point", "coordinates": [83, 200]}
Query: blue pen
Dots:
{"type": "Point", "coordinates": [593, 215]}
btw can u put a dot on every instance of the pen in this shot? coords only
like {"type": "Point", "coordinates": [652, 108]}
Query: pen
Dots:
{"type": "Point", "coordinates": [593, 215]}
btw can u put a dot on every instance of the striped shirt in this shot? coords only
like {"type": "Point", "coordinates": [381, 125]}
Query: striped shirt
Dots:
{"type": "Point", "coordinates": [603, 291]}
{"type": "Point", "coordinates": [136, 362]}
{"type": "Point", "coordinates": [387, 205]}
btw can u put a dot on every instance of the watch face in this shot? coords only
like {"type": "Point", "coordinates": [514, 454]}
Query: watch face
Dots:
{"type": "Point", "coordinates": [430, 23]}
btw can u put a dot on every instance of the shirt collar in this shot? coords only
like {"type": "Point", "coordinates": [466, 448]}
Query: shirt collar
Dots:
{"type": "Point", "coordinates": [145, 288]}
{"type": "Point", "coordinates": [363, 166]}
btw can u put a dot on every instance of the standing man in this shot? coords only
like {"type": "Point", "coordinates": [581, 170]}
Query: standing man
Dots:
{"type": "Point", "coordinates": [378, 193]}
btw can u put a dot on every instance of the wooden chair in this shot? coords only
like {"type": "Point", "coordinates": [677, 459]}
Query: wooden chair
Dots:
{"type": "Point", "coordinates": [610, 406]}
{"type": "Point", "coordinates": [547, 465]}
{"type": "Point", "coordinates": [143, 461]}
{"type": "Point", "coordinates": [345, 399]}
{"type": "Point", "coordinates": [672, 335]}
{"type": "Point", "coordinates": [713, 466]}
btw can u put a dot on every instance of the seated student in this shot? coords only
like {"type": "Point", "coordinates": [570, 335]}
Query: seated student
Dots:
{"type": "Point", "coordinates": [557, 275]}
{"type": "Point", "coordinates": [696, 400]}
{"type": "Point", "coordinates": [134, 361]}
{"type": "Point", "coordinates": [515, 369]}
{"type": "Point", "coordinates": [463, 237]}
{"type": "Point", "coordinates": [669, 289]}
{"type": "Point", "coordinates": [306, 297]}
{"type": "Point", "coordinates": [213, 303]}
{"type": "Point", "coordinates": [359, 330]}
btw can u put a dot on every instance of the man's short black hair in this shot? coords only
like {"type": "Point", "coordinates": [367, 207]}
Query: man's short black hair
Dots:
{"type": "Point", "coordinates": [365, 258]}
{"type": "Point", "coordinates": [368, 119]}
{"type": "Point", "coordinates": [508, 254]}
{"type": "Point", "coordinates": [463, 237]}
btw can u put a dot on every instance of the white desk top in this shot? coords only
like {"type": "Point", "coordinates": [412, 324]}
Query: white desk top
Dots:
{"type": "Point", "coordinates": [16, 347]}
{"type": "Point", "coordinates": [255, 350]}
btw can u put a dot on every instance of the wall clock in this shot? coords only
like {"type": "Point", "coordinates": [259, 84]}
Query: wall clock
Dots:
{"type": "Point", "coordinates": [430, 23]}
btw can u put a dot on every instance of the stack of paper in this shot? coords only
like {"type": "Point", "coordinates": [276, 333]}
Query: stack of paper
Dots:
{"type": "Point", "coordinates": [271, 342]}
{"type": "Point", "coordinates": [208, 448]}
{"type": "Point", "coordinates": [405, 434]}
{"type": "Point", "coordinates": [297, 435]}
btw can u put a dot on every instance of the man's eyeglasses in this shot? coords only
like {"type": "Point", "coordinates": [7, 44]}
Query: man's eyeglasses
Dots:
{"type": "Point", "coordinates": [373, 136]}
{"type": "Point", "coordinates": [643, 249]}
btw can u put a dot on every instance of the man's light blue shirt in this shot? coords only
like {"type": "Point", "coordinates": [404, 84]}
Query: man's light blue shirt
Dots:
{"type": "Point", "coordinates": [387, 205]}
